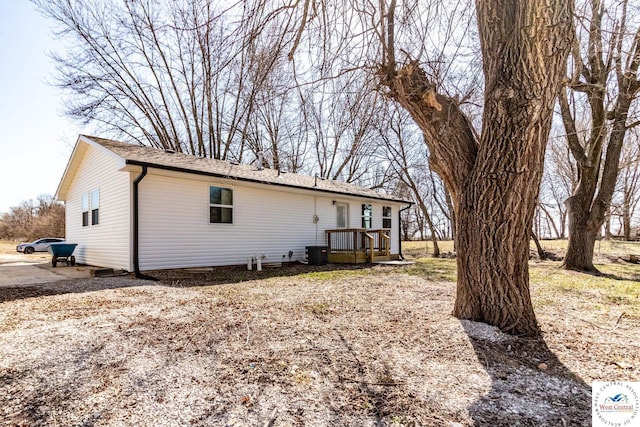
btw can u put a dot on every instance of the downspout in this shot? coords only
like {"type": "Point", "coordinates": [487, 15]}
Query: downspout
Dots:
{"type": "Point", "coordinates": [136, 232]}
{"type": "Point", "coordinates": [400, 231]}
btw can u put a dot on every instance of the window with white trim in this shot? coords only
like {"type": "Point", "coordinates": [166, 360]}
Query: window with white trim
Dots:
{"type": "Point", "coordinates": [85, 210]}
{"type": "Point", "coordinates": [220, 205]}
{"type": "Point", "coordinates": [95, 206]}
{"type": "Point", "coordinates": [90, 208]}
{"type": "Point", "coordinates": [367, 213]}
{"type": "Point", "coordinates": [386, 217]}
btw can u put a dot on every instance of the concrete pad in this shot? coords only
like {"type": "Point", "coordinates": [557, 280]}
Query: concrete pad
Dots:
{"type": "Point", "coordinates": [22, 259]}
{"type": "Point", "coordinates": [23, 270]}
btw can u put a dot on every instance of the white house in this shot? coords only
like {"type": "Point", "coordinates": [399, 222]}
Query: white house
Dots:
{"type": "Point", "coordinates": [138, 208]}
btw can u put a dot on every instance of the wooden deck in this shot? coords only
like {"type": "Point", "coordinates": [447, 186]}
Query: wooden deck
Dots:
{"type": "Point", "coordinates": [359, 246]}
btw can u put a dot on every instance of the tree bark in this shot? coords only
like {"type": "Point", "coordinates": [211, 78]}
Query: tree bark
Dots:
{"type": "Point", "coordinates": [524, 52]}
{"type": "Point", "coordinates": [582, 239]}
{"type": "Point", "coordinates": [607, 226]}
{"type": "Point", "coordinates": [453, 217]}
{"type": "Point", "coordinates": [494, 182]}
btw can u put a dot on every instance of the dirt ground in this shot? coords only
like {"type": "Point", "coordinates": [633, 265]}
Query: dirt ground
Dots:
{"type": "Point", "coordinates": [296, 346]}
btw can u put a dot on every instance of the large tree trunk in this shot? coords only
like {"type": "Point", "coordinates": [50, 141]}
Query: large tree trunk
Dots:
{"type": "Point", "coordinates": [453, 218]}
{"type": "Point", "coordinates": [582, 238]}
{"type": "Point", "coordinates": [496, 213]}
{"type": "Point", "coordinates": [494, 182]}
{"type": "Point", "coordinates": [587, 209]}
{"type": "Point", "coordinates": [522, 74]}
{"type": "Point", "coordinates": [610, 87]}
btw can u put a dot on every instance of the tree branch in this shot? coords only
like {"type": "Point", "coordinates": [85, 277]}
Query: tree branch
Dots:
{"type": "Point", "coordinates": [570, 126]}
{"type": "Point", "coordinates": [448, 133]}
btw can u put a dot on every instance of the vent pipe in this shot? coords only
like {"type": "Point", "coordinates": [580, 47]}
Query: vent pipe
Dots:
{"type": "Point", "coordinates": [260, 160]}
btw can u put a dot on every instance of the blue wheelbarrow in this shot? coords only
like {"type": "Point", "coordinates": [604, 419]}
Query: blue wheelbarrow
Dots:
{"type": "Point", "coordinates": [62, 252]}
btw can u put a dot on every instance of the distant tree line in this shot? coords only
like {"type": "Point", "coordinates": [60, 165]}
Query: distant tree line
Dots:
{"type": "Point", "coordinates": [31, 220]}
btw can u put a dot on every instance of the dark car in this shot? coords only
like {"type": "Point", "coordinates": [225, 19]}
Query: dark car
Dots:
{"type": "Point", "coordinates": [40, 245]}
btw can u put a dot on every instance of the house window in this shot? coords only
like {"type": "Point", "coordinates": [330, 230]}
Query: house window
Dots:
{"type": "Point", "coordinates": [342, 215]}
{"type": "Point", "coordinates": [220, 205]}
{"type": "Point", "coordinates": [85, 210]}
{"type": "Point", "coordinates": [90, 204]}
{"type": "Point", "coordinates": [367, 211]}
{"type": "Point", "coordinates": [95, 206]}
{"type": "Point", "coordinates": [386, 217]}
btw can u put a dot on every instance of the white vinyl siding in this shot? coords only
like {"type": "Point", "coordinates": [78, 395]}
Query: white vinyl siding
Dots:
{"type": "Point", "coordinates": [107, 243]}
{"type": "Point", "coordinates": [175, 228]}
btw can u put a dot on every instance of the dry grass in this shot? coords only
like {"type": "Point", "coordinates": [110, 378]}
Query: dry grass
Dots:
{"type": "Point", "coordinates": [604, 249]}
{"type": "Point", "coordinates": [309, 346]}
{"type": "Point", "coordinates": [8, 247]}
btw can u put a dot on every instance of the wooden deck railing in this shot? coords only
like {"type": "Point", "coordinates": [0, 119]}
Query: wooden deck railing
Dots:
{"type": "Point", "coordinates": [358, 243]}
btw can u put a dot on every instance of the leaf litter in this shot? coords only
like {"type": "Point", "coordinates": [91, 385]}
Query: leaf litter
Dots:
{"type": "Point", "coordinates": [368, 347]}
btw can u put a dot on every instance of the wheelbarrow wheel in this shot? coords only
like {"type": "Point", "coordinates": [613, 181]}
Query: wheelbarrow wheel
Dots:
{"type": "Point", "coordinates": [54, 261]}
{"type": "Point", "coordinates": [73, 260]}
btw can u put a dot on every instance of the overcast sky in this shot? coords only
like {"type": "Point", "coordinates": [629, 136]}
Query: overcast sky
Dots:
{"type": "Point", "coordinates": [35, 139]}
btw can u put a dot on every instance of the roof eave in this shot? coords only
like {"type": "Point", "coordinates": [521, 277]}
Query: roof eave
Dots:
{"type": "Point", "coordinates": [82, 143]}
{"type": "Point", "coordinates": [258, 181]}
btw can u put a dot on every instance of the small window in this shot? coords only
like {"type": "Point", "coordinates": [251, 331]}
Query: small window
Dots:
{"type": "Point", "coordinates": [366, 216]}
{"type": "Point", "coordinates": [342, 214]}
{"type": "Point", "coordinates": [386, 217]}
{"type": "Point", "coordinates": [220, 205]}
{"type": "Point", "coordinates": [95, 206]}
{"type": "Point", "coordinates": [85, 210]}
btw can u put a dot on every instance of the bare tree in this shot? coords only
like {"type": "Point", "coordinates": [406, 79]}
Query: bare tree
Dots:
{"type": "Point", "coordinates": [33, 219]}
{"type": "Point", "coordinates": [409, 166]}
{"type": "Point", "coordinates": [168, 74]}
{"type": "Point", "coordinates": [441, 199]}
{"type": "Point", "coordinates": [627, 195]}
{"type": "Point", "coordinates": [558, 183]}
{"type": "Point", "coordinates": [276, 128]}
{"type": "Point", "coordinates": [341, 118]}
{"type": "Point", "coordinates": [493, 179]}
{"type": "Point", "coordinates": [605, 58]}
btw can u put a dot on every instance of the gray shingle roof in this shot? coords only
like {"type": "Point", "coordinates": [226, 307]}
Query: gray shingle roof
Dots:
{"type": "Point", "coordinates": [139, 155]}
